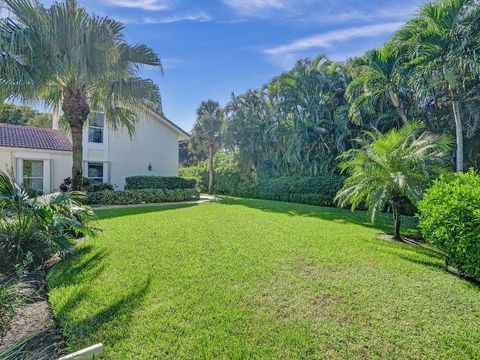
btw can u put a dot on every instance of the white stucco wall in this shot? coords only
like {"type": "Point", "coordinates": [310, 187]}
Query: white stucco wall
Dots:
{"type": "Point", "coordinates": [57, 164]}
{"type": "Point", "coordinates": [154, 143]}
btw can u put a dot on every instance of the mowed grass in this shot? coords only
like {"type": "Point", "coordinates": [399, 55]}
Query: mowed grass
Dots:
{"type": "Point", "coordinates": [256, 279]}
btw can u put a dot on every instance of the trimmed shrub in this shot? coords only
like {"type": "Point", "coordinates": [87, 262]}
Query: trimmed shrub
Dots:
{"type": "Point", "coordinates": [319, 190]}
{"type": "Point", "coordinates": [87, 185]}
{"type": "Point", "coordinates": [144, 196]}
{"type": "Point", "coordinates": [450, 220]}
{"type": "Point", "coordinates": [158, 182]}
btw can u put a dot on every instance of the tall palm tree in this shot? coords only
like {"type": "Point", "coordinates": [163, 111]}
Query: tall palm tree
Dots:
{"type": "Point", "coordinates": [379, 76]}
{"type": "Point", "coordinates": [76, 62]}
{"type": "Point", "coordinates": [206, 133]}
{"type": "Point", "coordinates": [440, 50]}
{"type": "Point", "coordinates": [392, 166]}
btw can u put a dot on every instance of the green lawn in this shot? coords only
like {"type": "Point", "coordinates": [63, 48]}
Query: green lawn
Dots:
{"type": "Point", "coordinates": [259, 279]}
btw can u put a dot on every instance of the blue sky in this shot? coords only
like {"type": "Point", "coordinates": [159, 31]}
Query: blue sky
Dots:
{"type": "Point", "coordinates": [211, 48]}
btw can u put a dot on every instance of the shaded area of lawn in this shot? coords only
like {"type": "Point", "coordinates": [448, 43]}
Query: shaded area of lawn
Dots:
{"type": "Point", "coordinates": [260, 279]}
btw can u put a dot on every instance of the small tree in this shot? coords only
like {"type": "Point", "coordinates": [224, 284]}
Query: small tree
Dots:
{"type": "Point", "coordinates": [395, 165]}
{"type": "Point", "coordinates": [206, 133]}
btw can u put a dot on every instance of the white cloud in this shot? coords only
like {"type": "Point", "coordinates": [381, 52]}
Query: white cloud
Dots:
{"type": "Point", "coordinates": [251, 7]}
{"type": "Point", "coordinates": [152, 5]}
{"type": "Point", "coordinates": [389, 13]}
{"type": "Point", "coordinates": [198, 16]}
{"type": "Point", "coordinates": [328, 39]}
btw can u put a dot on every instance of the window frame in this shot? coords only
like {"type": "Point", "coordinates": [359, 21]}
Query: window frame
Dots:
{"type": "Point", "coordinates": [94, 128]}
{"type": "Point", "coordinates": [96, 179]}
{"type": "Point", "coordinates": [31, 178]}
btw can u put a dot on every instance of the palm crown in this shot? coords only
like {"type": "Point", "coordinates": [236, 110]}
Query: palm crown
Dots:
{"type": "Point", "coordinates": [379, 76]}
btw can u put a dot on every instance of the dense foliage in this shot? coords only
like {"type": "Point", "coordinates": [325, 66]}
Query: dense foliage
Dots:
{"type": "Point", "coordinates": [147, 196]}
{"type": "Point", "coordinates": [299, 123]}
{"type": "Point", "coordinates": [450, 220]}
{"type": "Point", "coordinates": [158, 182]}
{"type": "Point", "coordinates": [318, 190]}
{"type": "Point", "coordinates": [87, 185]}
{"type": "Point", "coordinates": [24, 115]}
{"type": "Point", "coordinates": [34, 228]}
{"type": "Point", "coordinates": [389, 167]}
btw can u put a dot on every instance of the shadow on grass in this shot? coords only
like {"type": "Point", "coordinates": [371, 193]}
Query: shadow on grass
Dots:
{"type": "Point", "coordinates": [117, 316]}
{"type": "Point", "coordinates": [84, 264]}
{"type": "Point", "coordinates": [82, 267]}
{"type": "Point", "coordinates": [383, 222]}
{"type": "Point", "coordinates": [118, 212]}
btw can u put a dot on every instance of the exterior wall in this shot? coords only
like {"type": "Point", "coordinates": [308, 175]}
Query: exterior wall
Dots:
{"type": "Point", "coordinates": [57, 165]}
{"type": "Point", "coordinates": [154, 144]}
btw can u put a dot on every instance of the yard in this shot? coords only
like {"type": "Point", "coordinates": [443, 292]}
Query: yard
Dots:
{"type": "Point", "coordinates": [260, 279]}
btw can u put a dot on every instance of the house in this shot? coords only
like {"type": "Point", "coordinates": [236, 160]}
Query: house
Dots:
{"type": "Point", "coordinates": [42, 158]}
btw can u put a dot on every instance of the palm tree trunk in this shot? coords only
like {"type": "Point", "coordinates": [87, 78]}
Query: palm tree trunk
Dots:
{"type": "Point", "coordinates": [76, 111]}
{"type": "Point", "coordinates": [458, 129]}
{"type": "Point", "coordinates": [210, 169]}
{"type": "Point", "coordinates": [396, 221]}
{"type": "Point", "coordinates": [401, 112]}
{"type": "Point", "coordinates": [399, 107]}
{"type": "Point", "coordinates": [76, 128]}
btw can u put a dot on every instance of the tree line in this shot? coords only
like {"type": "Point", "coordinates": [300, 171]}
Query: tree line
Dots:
{"type": "Point", "coordinates": [302, 120]}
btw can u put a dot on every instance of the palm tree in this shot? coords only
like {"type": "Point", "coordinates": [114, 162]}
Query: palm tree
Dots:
{"type": "Point", "coordinates": [76, 62]}
{"type": "Point", "coordinates": [379, 76]}
{"type": "Point", "coordinates": [441, 50]}
{"type": "Point", "coordinates": [206, 133]}
{"type": "Point", "coordinates": [395, 165]}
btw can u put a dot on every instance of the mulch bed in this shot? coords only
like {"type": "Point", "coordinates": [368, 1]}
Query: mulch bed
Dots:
{"type": "Point", "coordinates": [33, 332]}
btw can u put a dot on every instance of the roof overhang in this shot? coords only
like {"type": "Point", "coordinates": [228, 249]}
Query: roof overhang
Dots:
{"type": "Point", "coordinates": [181, 134]}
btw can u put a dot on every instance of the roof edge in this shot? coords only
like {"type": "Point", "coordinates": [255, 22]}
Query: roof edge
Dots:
{"type": "Point", "coordinates": [184, 135]}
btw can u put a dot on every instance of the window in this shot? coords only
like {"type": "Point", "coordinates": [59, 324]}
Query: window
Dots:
{"type": "Point", "coordinates": [33, 174]}
{"type": "Point", "coordinates": [95, 129]}
{"type": "Point", "coordinates": [95, 172]}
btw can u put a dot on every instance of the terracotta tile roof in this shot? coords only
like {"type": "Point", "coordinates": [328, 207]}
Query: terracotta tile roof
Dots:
{"type": "Point", "coordinates": [33, 138]}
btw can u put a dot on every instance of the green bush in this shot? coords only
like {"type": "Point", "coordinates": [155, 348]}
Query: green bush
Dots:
{"type": "Point", "coordinates": [8, 303]}
{"type": "Point", "coordinates": [198, 172]}
{"type": "Point", "coordinates": [158, 182]}
{"type": "Point", "coordinates": [450, 220]}
{"type": "Point", "coordinates": [319, 190]}
{"type": "Point", "coordinates": [87, 185]}
{"type": "Point", "coordinates": [92, 187]}
{"type": "Point", "coordinates": [145, 196]}
{"type": "Point", "coordinates": [22, 239]}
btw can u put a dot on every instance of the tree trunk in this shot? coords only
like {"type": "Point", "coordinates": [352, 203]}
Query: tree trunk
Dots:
{"type": "Point", "coordinates": [396, 221]}
{"type": "Point", "coordinates": [399, 107]}
{"type": "Point", "coordinates": [401, 112]}
{"type": "Point", "coordinates": [210, 169]}
{"type": "Point", "coordinates": [458, 130]}
{"type": "Point", "coordinates": [76, 128]}
{"type": "Point", "coordinates": [76, 110]}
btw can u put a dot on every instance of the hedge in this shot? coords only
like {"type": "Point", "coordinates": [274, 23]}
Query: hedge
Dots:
{"type": "Point", "coordinates": [145, 196]}
{"type": "Point", "coordinates": [318, 190]}
{"type": "Point", "coordinates": [450, 220]}
{"type": "Point", "coordinates": [158, 182]}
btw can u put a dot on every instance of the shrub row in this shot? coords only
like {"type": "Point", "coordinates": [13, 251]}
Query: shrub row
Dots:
{"type": "Point", "coordinates": [145, 196]}
{"type": "Point", "coordinates": [319, 190]}
{"type": "Point", "coordinates": [450, 220]}
{"type": "Point", "coordinates": [158, 182]}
